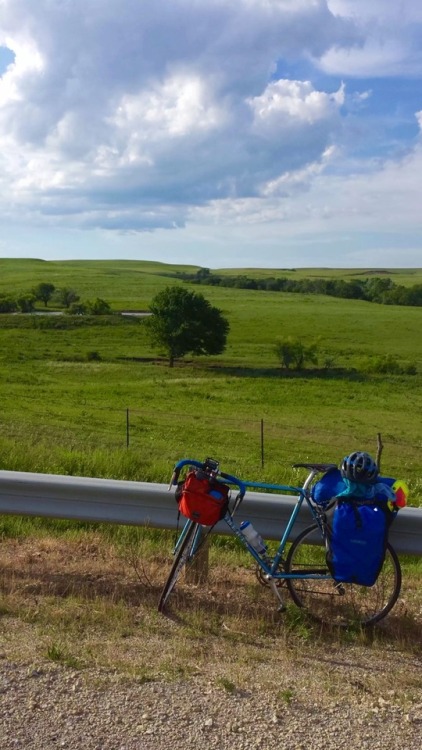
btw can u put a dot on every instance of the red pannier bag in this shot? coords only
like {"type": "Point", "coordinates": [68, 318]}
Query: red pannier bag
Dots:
{"type": "Point", "coordinates": [203, 499]}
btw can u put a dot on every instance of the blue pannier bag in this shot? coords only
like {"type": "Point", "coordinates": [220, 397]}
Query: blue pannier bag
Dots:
{"type": "Point", "coordinates": [358, 532]}
{"type": "Point", "coordinates": [357, 541]}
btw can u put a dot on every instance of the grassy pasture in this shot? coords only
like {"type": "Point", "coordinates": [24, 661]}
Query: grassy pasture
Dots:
{"type": "Point", "coordinates": [125, 282]}
{"type": "Point", "coordinates": [122, 283]}
{"type": "Point", "coordinates": [64, 412]}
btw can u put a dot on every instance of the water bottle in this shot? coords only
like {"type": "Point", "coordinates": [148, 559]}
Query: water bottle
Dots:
{"type": "Point", "coordinates": [254, 539]}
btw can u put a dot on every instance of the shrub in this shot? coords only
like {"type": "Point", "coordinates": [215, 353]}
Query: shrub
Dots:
{"type": "Point", "coordinates": [98, 307]}
{"type": "Point", "coordinates": [390, 365]}
{"type": "Point", "coordinates": [77, 308]}
{"type": "Point", "coordinates": [8, 305]}
{"type": "Point", "coordinates": [293, 353]}
{"type": "Point", "coordinates": [26, 303]}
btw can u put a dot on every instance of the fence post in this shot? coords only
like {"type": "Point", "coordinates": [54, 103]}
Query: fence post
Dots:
{"type": "Point", "coordinates": [127, 428]}
{"type": "Point", "coordinates": [262, 443]}
{"type": "Point", "coordinates": [380, 446]}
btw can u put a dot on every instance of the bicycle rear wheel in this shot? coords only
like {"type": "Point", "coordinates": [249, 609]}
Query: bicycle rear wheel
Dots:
{"type": "Point", "coordinates": [184, 554]}
{"type": "Point", "coordinates": [341, 604]}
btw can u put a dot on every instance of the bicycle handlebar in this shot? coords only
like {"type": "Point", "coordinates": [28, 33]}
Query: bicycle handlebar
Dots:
{"type": "Point", "coordinates": [199, 465]}
{"type": "Point", "coordinates": [314, 468]}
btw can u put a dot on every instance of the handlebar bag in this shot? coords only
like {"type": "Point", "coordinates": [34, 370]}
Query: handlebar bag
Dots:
{"type": "Point", "coordinates": [202, 499]}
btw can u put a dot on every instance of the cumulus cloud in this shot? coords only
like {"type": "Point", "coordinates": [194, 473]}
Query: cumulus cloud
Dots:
{"type": "Point", "coordinates": [131, 114]}
{"type": "Point", "coordinates": [372, 197]}
{"type": "Point", "coordinates": [144, 114]}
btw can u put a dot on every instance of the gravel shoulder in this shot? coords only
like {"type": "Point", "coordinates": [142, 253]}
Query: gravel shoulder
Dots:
{"type": "Point", "coordinates": [46, 706]}
{"type": "Point", "coordinates": [86, 663]}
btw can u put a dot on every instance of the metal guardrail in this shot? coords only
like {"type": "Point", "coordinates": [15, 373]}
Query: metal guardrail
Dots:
{"type": "Point", "coordinates": [145, 504]}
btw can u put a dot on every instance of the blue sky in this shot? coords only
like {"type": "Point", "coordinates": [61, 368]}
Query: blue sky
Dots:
{"type": "Point", "coordinates": [222, 133]}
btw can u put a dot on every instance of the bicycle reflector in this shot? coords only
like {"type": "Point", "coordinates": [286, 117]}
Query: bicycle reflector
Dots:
{"type": "Point", "coordinates": [401, 492]}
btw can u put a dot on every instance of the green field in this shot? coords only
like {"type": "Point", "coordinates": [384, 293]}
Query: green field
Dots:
{"type": "Point", "coordinates": [66, 383]}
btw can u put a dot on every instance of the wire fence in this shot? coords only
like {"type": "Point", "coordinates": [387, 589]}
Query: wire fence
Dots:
{"type": "Point", "coordinates": [265, 442]}
{"type": "Point", "coordinates": [262, 437]}
{"type": "Point", "coordinates": [259, 443]}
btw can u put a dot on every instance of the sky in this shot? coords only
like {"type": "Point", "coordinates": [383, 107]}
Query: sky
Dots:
{"type": "Point", "coordinates": [218, 133]}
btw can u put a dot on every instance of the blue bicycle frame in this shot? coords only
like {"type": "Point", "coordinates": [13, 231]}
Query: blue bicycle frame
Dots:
{"type": "Point", "coordinates": [271, 567]}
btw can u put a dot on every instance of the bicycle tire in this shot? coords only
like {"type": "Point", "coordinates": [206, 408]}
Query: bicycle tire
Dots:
{"type": "Point", "coordinates": [182, 556]}
{"type": "Point", "coordinates": [340, 604]}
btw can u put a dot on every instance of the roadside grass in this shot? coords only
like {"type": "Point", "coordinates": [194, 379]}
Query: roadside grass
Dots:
{"type": "Point", "coordinates": [77, 600]}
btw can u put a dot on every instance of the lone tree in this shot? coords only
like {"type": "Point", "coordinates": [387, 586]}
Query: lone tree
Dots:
{"type": "Point", "coordinates": [183, 321]}
{"type": "Point", "coordinates": [66, 297]}
{"type": "Point", "coordinates": [44, 292]}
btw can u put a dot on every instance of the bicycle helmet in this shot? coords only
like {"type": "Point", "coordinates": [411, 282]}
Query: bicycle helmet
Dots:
{"type": "Point", "coordinates": [359, 467]}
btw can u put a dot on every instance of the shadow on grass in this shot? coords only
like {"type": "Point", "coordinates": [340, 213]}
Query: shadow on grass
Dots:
{"type": "Point", "coordinates": [316, 373]}
{"type": "Point", "coordinates": [63, 585]}
{"type": "Point", "coordinates": [209, 607]}
{"type": "Point", "coordinates": [144, 360]}
{"type": "Point", "coordinates": [400, 628]}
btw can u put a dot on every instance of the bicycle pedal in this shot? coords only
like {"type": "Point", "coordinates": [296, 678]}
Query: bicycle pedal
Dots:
{"type": "Point", "coordinates": [281, 608]}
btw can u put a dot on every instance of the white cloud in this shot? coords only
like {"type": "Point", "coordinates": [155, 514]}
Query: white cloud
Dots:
{"type": "Point", "coordinates": [391, 42]}
{"type": "Point", "coordinates": [165, 113]}
{"type": "Point", "coordinates": [115, 110]}
{"type": "Point", "coordinates": [291, 103]}
{"type": "Point", "coordinates": [177, 107]}
{"type": "Point", "coordinates": [374, 197]}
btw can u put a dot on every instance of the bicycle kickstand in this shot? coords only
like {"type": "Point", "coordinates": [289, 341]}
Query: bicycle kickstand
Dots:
{"type": "Point", "coordinates": [276, 592]}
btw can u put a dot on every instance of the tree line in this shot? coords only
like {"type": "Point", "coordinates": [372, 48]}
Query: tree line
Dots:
{"type": "Point", "coordinates": [381, 290]}
{"type": "Point", "coordinates": [64, 297]}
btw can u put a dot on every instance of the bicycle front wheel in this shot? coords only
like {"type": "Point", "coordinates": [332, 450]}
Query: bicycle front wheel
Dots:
{"type": "Point", "coordinates": [341, 604]}
{"type": "Point", "coordinates": [184, 553]}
